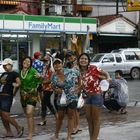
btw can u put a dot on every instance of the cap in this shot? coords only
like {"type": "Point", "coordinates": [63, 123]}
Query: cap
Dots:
{"type": "Point", "coordinates": [70, 53]}
{"type": "Point", "coordinates": [46, 57]}
{"type": "Point", "coordinates": [7, 61]}
{"type": "Point", "coordinates": [57, 60]}
{"type": "Point", "coordinates": [37, 54]}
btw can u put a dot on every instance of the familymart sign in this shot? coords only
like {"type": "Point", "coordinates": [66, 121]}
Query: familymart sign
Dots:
{"type": "Point", "coordinates": [46, 24]}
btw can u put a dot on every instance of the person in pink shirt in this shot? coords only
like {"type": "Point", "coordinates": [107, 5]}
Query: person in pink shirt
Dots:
{"type": "Point", "coordinates": [91, 77]}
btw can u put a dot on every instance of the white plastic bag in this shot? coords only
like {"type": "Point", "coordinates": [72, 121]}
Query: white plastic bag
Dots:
{"type": "Point", "coordinates": [14, 100]}
{"type": "Point", "coordinates": [104, 84]}
{"type": "Point", "coordinates": [63, 99]}
{"type": "Point", "coordinates": [81, 101]}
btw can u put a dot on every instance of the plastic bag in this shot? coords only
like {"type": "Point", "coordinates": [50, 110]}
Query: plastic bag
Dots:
{"type": "Point", "coordinates": [104, 84]}
{"type": "Point", "coordinates": [63, 99]}
{"type": "Point", "coordinates": [81, 101]}
{"type": "Point", "coordinates": [14, 100]}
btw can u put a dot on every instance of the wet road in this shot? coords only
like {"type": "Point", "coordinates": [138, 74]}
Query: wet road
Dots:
{"type": "Point", "coordinates": [112, 123]}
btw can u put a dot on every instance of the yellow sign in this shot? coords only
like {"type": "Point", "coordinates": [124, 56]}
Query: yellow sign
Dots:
{"type": "Point", "coordinates": [133, 5]}
{"type": "Point", "coordinates": [9, 2]}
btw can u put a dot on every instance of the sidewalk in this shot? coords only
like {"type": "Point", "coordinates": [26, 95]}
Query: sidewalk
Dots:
{"type": "Point", "coordinates": [114, 127]}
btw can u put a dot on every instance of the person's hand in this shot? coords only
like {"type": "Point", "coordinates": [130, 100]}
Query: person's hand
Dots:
{"type": "Point", "coordinates": [37, 75]}
{"type": "Point", "coordinates": [58, 90]}
{"type": "Point", "coordinates": [74, 39]}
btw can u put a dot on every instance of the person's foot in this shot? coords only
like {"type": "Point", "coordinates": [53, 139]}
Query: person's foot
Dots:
{"type": "Point", "coordinates": [68, 138]}
{"type": "Point", "coordinates": [42, 123]}
{"type": "Point", "coordinates": [7, 136]}
{"type": "Point", "coordinates": [20, 132]}
{"type": "Point", "coordinates": [54, 137]}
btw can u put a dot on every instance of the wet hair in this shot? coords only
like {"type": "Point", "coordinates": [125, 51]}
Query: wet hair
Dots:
{"type": "Point", "coordinates": [119, 72]}
{"type": "Point", "coordinates": [27, 57]}
{"type": "Point", "coordinates": [81, 56]}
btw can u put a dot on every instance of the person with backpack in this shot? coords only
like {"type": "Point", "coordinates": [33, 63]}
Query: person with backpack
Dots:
{"type": "Point", "coordinates": [119, 96]}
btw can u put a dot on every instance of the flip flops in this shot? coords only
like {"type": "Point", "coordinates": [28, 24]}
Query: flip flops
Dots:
{"type": "Point", "coordinates": [77, 131]}
{"type": "Point", "coordinates": [6, 136]}
{"type": "Point", "coordinates": [42, 123]}
{"type": "Point", "coordinates": [20, 133]}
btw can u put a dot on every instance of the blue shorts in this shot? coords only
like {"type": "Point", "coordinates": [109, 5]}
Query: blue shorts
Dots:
{"type": "Point", "coordinates": [5, 103]}
{"type": "Point", "coordinates": [95, 99]}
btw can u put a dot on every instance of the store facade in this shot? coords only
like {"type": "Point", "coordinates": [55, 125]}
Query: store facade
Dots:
{"type": "Point", "coordinates": [22, 35]}
{"type": "Point", "coordinates": [116, 32]}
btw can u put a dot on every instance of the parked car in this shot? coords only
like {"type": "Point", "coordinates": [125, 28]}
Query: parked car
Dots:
{"type": "Point", "coordinates": [128, 53]}
{"type": "Point", "coordinates": [128, 64]}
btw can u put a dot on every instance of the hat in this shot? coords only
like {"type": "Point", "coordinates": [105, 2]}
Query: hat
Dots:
{"type": "Point", "coordinates": [7, 61]}
{"type": "Point", "coordinates": [37, 54]}
{"type": "Point", "coordinates": [57, 60]}
{"type": "Point", "coordinates": [70, 53]}
{"type": "Point", "coordinates": [46, 57]}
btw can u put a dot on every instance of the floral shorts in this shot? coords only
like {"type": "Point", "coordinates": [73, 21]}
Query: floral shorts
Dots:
{"type": "Point", "coordinates": [29, 97]}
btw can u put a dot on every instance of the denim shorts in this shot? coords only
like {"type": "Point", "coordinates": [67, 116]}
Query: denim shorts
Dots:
{"type": "Point", "coordinates": [5, 102]}
{"type": "Point", "coordinates": [95, 99]}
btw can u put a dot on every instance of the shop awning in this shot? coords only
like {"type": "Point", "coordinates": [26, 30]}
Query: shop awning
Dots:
{"type": "Point", "coordinates": [10, 2]}
{"type": "Point", "coordinates": [84, 8]}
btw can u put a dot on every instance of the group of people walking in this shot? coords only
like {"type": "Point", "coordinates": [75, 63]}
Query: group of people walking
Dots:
{"type": "Point", "coordinates": [46, 81]}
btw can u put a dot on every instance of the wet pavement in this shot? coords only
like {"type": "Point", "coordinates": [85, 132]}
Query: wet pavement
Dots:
{"type": "Point", "coordinates": [114, 126]}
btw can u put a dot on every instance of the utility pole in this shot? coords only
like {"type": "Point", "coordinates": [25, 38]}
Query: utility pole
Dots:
{"type": "Point", "coordinates": [43, 7]}
{"type": "Point", "coordinates": [117, 7]}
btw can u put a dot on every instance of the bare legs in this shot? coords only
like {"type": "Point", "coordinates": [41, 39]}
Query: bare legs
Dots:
{"type": "Point", "coordinates": [30, 120]}
{"type": "Point", "coordinates": [93, 119]}
{"type": "Point", "coordinates": [59, 120]}
{"type": "Point", "coordinates": [76, 122]}
{"type": "Point", "coordinates": [7, 120]}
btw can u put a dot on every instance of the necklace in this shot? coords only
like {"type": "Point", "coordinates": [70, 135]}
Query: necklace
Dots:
{"type": "Point", "coordinates": [24, 74]}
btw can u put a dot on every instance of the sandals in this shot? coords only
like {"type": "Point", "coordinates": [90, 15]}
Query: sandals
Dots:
{"type": "Point", "coordinates": [77, 131]}
{"type": "Point", "coordinates": [42, 123]}
{"type": "Point", "coordinates": [20, 133]}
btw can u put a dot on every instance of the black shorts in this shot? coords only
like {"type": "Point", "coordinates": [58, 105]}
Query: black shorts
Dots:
{"type": "Point", "coordinates": [71, 105]}
{"type": "Point", "coordinates": [6, 103]}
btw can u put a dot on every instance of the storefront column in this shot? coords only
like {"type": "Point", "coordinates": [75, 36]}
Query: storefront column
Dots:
{"type": "Point", "coordinates": [36, 43]}
{"type": "Point", "coordinates": [69, 42]}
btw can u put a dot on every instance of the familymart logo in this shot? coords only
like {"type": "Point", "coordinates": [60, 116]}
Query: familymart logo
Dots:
{"type": "Point", "coordinates": [44, 26]}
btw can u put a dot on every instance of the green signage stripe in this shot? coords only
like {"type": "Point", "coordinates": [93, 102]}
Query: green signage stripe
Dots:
{"type": "Point", "coordinates": [44, 18]}
{"type": "Point", "coordinates": [1, 16]}
{"type": "Point", "coordinates": [13, 17]}
{"type": "Point", "coordinates": [72, 20]}
{"type": "Point", "coordinates": [89, 20]}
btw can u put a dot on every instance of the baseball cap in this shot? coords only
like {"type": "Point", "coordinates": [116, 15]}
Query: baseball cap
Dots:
{"type": "Point", "coordinates": [7, 61]}
{"type": "Point", "coordinates": [70, 53]}
{"type": "Point", "coordinates": [46, 57]}
{"type": "Point", "coordinates": [37, 54]}
{"type": "Point", "coordinates": [57, 60]}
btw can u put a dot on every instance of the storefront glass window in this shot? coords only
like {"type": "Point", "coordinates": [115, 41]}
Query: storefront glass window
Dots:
{"type": "Point", "coordinates": [9, 49]}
